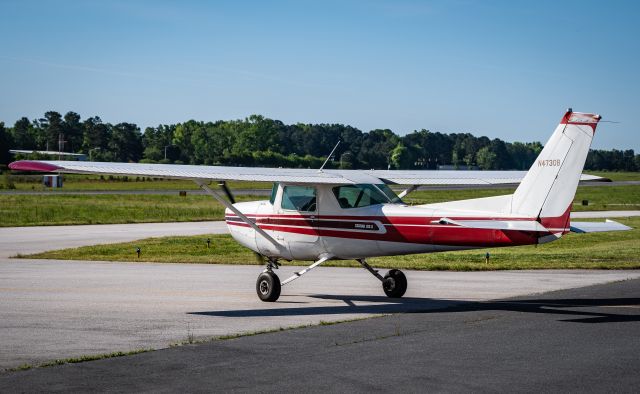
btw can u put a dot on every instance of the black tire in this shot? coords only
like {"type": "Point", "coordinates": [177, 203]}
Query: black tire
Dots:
{"type": "Point", "coordinates": [268, 286]}
{"type": "Point", "coordinates": [394, 284]}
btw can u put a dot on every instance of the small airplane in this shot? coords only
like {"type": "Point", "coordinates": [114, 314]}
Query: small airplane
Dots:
{"type": "Point", "coordinates": [321, 215]}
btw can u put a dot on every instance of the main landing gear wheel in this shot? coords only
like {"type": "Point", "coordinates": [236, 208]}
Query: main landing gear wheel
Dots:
{"type": "Point", "coordinates": [394, 284]}
{"type": "Point", "coordinates": [268, 286]}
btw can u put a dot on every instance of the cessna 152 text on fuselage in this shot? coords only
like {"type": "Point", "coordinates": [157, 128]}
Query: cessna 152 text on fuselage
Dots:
{"type": "Point", "coordinates": [320, 215]}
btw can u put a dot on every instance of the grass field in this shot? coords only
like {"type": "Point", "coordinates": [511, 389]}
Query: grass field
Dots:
{"type": "Point", "coordinates": [601, 198]}
{"type": "Point", "coordinates": [52, 209]}
{"type": "Point", "coordinates": [75, 182]}
{"type": "Point", "coordinates": [32, 210]}
{"type": "Point", "coordinates": [614, 250]}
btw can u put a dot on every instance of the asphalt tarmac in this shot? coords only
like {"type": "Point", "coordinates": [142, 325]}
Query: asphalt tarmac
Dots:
{"type": "Point", "coordinates": [579, 340]}
{"type": "Point", "coordinates": [60, 309]}
{"type": "Point", "coordinates": [34, 239]}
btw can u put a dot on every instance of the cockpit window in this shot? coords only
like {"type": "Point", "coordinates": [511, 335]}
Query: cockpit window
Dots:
{"type": "Point", "coordinates": [391, 195]}
{"type": "Point", "coordinates": [299, 198]}
{"type": "Point", "coordinates": [364, 195]}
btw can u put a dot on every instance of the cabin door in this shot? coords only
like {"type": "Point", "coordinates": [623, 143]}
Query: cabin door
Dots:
{"type": "Point", "coordinates": [298, 213]}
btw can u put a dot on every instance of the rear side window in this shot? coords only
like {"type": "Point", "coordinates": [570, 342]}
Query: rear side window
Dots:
{"type": "Point", "coordinates": [358, 196]}
{"type": "Point", "coordinates": [299, 198]}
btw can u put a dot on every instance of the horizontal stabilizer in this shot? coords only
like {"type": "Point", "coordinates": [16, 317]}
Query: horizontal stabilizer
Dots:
{"type": "Point", "coordinates": [518, 225]}
{"type": "Point", "coordinates": [596, 227]}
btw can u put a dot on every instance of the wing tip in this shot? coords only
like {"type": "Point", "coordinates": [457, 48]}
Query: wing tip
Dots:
{"type": "Point", "coordinates": [30, 165]}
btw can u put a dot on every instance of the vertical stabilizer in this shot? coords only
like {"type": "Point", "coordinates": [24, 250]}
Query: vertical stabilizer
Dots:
{"type": "Point", "coordinates": [548, 189]}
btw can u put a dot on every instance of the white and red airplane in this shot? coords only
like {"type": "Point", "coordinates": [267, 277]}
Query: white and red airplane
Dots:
{"type": "Point", "coordinates": [320, 215]}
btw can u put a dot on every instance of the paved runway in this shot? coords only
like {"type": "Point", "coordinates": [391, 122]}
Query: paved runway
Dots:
{"type": "Point", "coordinates": [59, 309]}
{"type": "Point", "coordinates": [25, 240]}
{"type": "Point", "coordinates": [581, 340]}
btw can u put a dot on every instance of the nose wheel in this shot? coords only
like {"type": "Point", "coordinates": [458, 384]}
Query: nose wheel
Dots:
{"type": "Point", "coordinates": [268, 286]}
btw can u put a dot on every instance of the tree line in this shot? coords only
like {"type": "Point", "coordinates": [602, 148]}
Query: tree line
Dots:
{"type": "Point", "coordinates": [260, 141]}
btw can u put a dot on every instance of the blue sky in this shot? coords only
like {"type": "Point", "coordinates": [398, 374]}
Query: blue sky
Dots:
{"type": "Point", "coordinates": [505, 69]}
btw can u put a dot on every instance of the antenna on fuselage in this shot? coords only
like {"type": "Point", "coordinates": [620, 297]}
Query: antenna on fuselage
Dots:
{"type": "Point", "coordinates": [329, 157]}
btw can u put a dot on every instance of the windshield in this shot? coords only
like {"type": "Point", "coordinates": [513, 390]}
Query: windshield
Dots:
{"type": "Point", "coordinates": [364, 195]}
{"type": "Point", "coordinates": [391, 195]}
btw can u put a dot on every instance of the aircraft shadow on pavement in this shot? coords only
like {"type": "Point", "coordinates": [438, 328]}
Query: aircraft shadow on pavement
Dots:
{"type": "Point", "coordinates": [376, 305]}
{"type": "Point", "coordinates": [595, 310]}
{"type": "Point", "coordinates": [581, 310]}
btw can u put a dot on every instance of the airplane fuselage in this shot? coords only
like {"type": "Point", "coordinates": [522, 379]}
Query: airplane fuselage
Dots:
{"type": "Point", "coordinates": [358, 232]}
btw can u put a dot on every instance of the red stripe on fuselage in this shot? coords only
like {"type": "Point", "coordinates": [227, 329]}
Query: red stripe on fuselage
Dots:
{"type": "Point", "coordinates": [398, 229]}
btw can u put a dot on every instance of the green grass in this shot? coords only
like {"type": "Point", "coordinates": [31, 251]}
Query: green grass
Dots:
{"type": "Point", "coordinates": [607, 198]}
{"type": "Point", "coordinates": [601, 198]}
{"type": "Point", "coordinates": [52, 209]}
{"type": "Point", "coordinates": [614, 250]}
{"type": "Point", "coordinates": [32, 210]}
{"type": "Point", "coordinates": [76, 182]}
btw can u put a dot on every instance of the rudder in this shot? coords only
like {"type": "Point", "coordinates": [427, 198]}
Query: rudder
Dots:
{"type": "Point", "coordinates": [547, 190]}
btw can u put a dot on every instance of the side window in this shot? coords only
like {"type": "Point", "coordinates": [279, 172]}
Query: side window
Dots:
{"type": "Point", "coordinates": [274, 191]}
{"type": "Point", "coordinates": [299, 198]}
{"type": "Point", "coordinates": [358, 196]}
{"type": "Point", "coordinates": [347, 195]}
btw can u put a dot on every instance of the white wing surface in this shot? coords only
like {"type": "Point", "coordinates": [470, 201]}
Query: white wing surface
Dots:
{"type": "Point", "coordinates": [296, 175]}
{"type": "Point", "coordinates": [597, 227]}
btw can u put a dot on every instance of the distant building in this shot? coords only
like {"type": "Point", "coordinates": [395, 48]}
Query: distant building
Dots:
{"type": "Point", "coordinates": [52, 181]}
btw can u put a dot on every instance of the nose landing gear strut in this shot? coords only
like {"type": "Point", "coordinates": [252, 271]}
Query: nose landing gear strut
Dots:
{"type": "Point", "coordinates": [268, 284]}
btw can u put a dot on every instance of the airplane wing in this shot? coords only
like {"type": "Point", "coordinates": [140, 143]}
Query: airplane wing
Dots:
{"type": "Point", "coordinates": [456, 177]}
{"type": "Point", "coordinates": [176, 171]}
{"type": "Point", "coordinates": [596, 227]}
{"type": "Point", "coordinates": [296, 175]}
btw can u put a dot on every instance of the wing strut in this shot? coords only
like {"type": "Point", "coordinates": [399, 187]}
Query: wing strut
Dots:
{"type": "Point", "coordinates": [235, 210]}
{"type": "Point", "coordinates": [296, 275]}
{"type": "Point", "coordinates": [407, 191]}
{"type": "Point", "coordinates": [225, 189]}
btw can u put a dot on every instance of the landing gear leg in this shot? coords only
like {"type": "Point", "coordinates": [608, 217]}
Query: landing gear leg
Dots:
{"type": "Point", "coordinates": [268, 284]}
{"type": "Point", "coordinates": [394, 283]}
